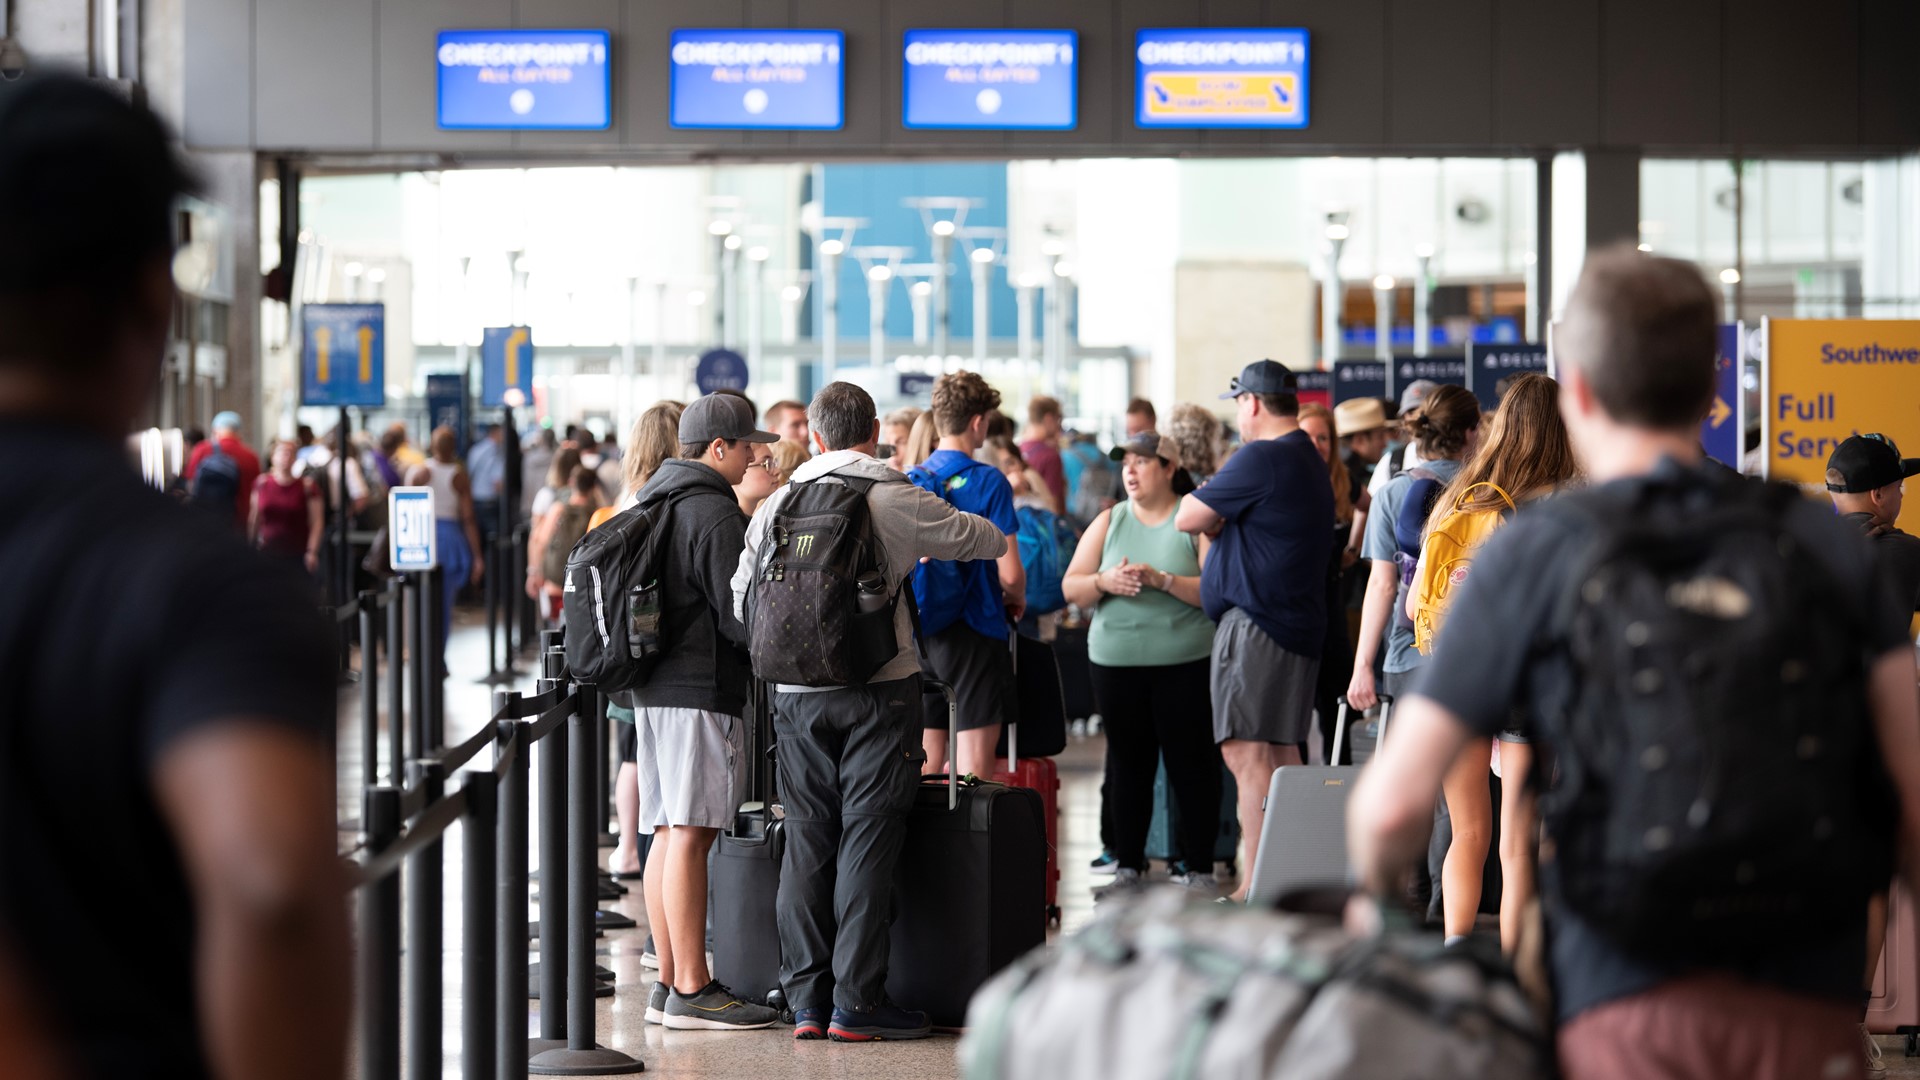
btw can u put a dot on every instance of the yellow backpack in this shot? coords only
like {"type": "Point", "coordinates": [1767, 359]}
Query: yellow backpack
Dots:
{"type": "Point", "coordinates": [1445, 556]}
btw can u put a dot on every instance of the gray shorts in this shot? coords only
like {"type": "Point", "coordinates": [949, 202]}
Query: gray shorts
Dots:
{"type": "Point", "coordinates": [689, 766]}
{"type": "Point", "coordinates": [1261, 692]}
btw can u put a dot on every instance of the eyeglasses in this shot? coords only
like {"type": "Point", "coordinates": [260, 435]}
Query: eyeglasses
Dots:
{"type": "Point", "coordinates": [771, 464]}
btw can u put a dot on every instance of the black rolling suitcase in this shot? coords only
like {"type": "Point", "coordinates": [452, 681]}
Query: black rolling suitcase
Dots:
{"type": "Point", "coordinates": [1076, 672]}
{"type": "Point", "coordinates": [745, 874]}
{"type": "Point", "coordinates": [970, 891]}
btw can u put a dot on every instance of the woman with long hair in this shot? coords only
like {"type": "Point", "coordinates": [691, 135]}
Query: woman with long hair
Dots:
{"type": "Point", "coordinates": [1336, 654]}
{"type": "Point", "coordinates": [457, 530]}
{"type": "Point", "coordinates": [1524, 456]}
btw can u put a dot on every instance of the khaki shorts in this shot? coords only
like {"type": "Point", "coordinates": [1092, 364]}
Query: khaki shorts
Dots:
{"type": "Point", "coordinates": [689, 768]}
{"type": "Point", "coordinates": [1261, 692]}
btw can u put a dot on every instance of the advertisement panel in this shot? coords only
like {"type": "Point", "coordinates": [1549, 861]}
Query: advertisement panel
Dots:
{"type": "Point", "coordinates": [1827, 379]}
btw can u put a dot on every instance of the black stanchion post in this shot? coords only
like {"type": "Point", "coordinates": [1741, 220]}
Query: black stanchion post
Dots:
{"type": "Point", "coordinates": [602, 778]}
{"type": "Point", "coordinates": [583, 1056]}
{"type": "Point", "coordinates": [379, 1033]}
{"type": "Point", "coordinates": [510, 934]}
{"type": "Point", "coordinates": [490, 585]}
{"type": "Point", "coordinates": [369, 695]}
{"type": "Point", "coordinates": [434, 645]}
{"type": "Point", "coordinates": [396, 675]}
{"type": "Point", "coordinates": [416, 665]}
{"type": "Point", "coordinates": [424, 945]}
{"type": "Point", "coordinates": [478, 836]}
{"type": "Point", "coordinates": [553, 863]}
{"type": "Point", "coordinates": [529, 614]}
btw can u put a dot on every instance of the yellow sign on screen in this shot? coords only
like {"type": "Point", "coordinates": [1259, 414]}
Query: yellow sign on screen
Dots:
{"type": "Point", "coordinates": [1828, 379]}
{"type": "Point", "coordinates": [1172, 95]}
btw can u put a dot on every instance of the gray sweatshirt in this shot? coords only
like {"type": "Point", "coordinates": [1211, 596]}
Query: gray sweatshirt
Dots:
{"type": "Point", "coordinates": [911, 524]}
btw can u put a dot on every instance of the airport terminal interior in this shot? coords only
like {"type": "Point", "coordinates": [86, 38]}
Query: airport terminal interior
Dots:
{"type": "Point", "coordinates": [516, 227]}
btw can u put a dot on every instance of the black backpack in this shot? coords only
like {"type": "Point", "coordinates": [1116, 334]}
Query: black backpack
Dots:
{"type": "Point", "coordinates": [1719, 787]}
{"type": "Point", "coordinates": [613, 599]}
{"type": "Point", "coordinates": [216, 483]}
{"type": "Point", "coordinates": [805, 620]}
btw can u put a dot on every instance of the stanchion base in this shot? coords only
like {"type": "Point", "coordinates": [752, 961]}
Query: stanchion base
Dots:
{"type": "Point", "coordinates": [613, 920]}
{"type": "Point", "coordinates": [533, 974]}
{"type": "Point", "coordinates": [500, 678]}
{"type": "Point", "coordinates": [598, 1061]}
{"type": "Point", "coordinates": [602, 988]}
{"type": "Point", "coordinates": [536, 1047]}
{"type": "Point", "coordinates": [609, 890]}
{"type": "Point", "coordinates": [533, 930]}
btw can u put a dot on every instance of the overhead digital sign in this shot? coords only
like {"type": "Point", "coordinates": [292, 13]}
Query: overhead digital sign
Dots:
{"type": "Point", "coordinates": [1000, 79]}
{"type": "Point", "coordinates": [1214, 78]}
{"type": "Point", "coordinates": [783, 79]}
{"type": "Point", "coordinates": [525, 79]}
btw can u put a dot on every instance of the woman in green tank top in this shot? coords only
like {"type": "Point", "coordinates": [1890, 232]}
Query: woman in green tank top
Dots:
{"type": "Point", "coordinates": [1150, 645]}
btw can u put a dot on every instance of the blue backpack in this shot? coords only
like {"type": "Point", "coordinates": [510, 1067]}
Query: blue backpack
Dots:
{"type": "Point", "coordinates": [1046, 547]}
{"type": "Point", "coordinates": [940, 585]}
{"type": "Point", "coordinates": [216, 483]}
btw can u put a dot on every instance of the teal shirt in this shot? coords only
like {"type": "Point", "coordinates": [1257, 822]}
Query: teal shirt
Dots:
{"type": "Point", "coordinates": [1154, 629]}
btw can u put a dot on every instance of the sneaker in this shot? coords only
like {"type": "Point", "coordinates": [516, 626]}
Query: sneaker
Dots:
{"type": "Point", "coordinates": [1105, 865]}
{"type": "Point", "coordinates": [809, 1024]}
{"type": "Point", "coordinates": [715, 1008]}
{"type": "Point", "coordinates": [1876, 1061]}
{"type": "Point", "coordinates": [657, 1004]}
{"type": "Point", "coordinates": [1203, 883]}
{"type": "Point", "coordinates": [885, 1022]}
{"type": "Point", "coordinates": [649, 958]}
{"type": "Point", "coordinates": [1125, 880]}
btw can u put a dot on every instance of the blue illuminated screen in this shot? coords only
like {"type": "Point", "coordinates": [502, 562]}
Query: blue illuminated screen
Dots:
{"type": "Point", "coordinates": [786, 79]}
{"type": "Point", "coordinates": [1002, 79]}
{"type": "Point", "coordinates": [525, 79]}
{"type": "Point", "coordinates": [1216, 78]}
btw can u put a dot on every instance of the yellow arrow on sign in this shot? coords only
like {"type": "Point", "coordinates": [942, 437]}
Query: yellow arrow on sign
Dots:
{"type": "Point", "coordinates": [1721, 411]}
{"type": "Point", "coordinates": [515, 341]}
{"type": "Point", "coordinates": [366, 353]}
{"type": "Point", "coordinates": [323, 345]}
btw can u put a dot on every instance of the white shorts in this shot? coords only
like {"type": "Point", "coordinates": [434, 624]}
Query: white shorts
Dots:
{"type": "Point", "coordinates": [689, 767]}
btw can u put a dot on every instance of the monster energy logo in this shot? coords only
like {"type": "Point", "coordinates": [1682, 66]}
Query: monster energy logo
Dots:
{"type": "Point", "coordinates": [803, 545]}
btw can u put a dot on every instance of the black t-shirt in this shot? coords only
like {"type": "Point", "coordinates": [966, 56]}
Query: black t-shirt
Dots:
{"type": "Point", "coordinates": [1498, 656]}
{"type": "Point", "coordinates": [1899, 555]}
{"type": "Point", "coordinates": [128, 622]}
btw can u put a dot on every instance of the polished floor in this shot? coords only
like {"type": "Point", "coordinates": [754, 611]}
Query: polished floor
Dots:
{"type": "Point", "coordinates": [759, 1055]}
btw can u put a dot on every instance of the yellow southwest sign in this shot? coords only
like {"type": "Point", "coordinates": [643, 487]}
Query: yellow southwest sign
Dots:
{"type": "Point", "coordinates": [1827, 379]}
{"type": "Point", "coordinates": [1181, 95]}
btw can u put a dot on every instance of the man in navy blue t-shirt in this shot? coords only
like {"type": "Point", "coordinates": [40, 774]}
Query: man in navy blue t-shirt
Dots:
{"type": "Point", "coordinates": [1270, 509]}
{"type": "Point", "coordinates": [965, 607]}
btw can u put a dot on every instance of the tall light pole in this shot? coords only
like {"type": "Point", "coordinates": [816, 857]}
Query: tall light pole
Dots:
{"type": "Point", "coordinates": [1023, 291]}
{"type": "Point", "coordinates": [790, 298]}
{"type": "Point", "coordinates": [830, 252]}
{"type": "Point", "coordinates": [720, 229]}
{"type": "Point", "coordinates": [879, 282]}
{"type": "Point", "coordinates": [1331, 293]}
{"type": "Point", "coordinates": [1383, 287]}
{"type": "Point", "coordinates": [920, 295]}
{"type": "Point", "coordinates": [623, 387]}
{"type": "Point", "coordinates": [982, 260]}
{"type": "Point", "coordinates": [756, 326]}
{"type": "Point", "coordinates": [1423, 301]}
{"type": "Point", "coordinates": [1059, 285]}
{"type": "Point", "coordinates": [942, 293]}
{"type": "Point", "coordinates": [659, 364]}
{"type": "Point", "coordinates": [730, 291]}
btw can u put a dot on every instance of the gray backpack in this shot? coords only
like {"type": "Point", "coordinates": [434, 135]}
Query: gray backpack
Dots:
{"type": "Point", "coordinates": [1160, 986]}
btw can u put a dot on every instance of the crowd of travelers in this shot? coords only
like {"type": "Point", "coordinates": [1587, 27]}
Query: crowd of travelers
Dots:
{"type": "Point", "coordinates": [1636, 616]}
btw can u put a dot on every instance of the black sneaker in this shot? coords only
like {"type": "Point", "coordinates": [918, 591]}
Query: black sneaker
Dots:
{"type": "Point", "coordinates": [1104, 865]}
{"type": "Point", "coordinates": [885, 1022]}
{"type": "Point", "coordinates": [715, 1008]}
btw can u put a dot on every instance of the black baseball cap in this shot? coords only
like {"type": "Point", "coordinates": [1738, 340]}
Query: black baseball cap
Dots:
{"type": "Point", "coordinates": [1262, 377]}
{"type": "Point", "coordinates": [721, 416]}
{"type": "Point", "coordinates": [1866, 463]}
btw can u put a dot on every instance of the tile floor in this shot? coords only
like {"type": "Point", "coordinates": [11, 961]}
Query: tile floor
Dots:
{"type": "Point", "coordinates": [732, 1056]}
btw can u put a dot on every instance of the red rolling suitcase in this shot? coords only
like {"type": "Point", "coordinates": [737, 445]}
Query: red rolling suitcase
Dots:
{"type": "Point", "coordinates": [1041, 775]}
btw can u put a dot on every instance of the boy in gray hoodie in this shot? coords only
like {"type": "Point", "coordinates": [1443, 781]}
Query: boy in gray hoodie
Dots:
{"type": "Point", "coordinates": [849, 756]}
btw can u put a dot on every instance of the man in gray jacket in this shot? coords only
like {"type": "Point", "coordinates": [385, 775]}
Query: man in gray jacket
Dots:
{"type": "Point", "coordinates": [850, 756]}
{"type": "Point", "coordinates": [687, 716]}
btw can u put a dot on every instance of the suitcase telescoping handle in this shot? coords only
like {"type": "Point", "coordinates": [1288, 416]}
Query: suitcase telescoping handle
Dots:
{"type": "Point", "coordinates": [953, 741]}
{"type": "Point", "coordinates": [1013, 729]}
{"type": "Point", "coordinates": [1340, 726]}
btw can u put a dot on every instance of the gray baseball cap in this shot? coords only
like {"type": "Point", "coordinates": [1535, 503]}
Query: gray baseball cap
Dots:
{"type": "Point", "coordinates": [1148, 445]}
{"type": "Point", "coordinates": [1417, 393]}
{"type": "Point", "coordinates": [721, 416]}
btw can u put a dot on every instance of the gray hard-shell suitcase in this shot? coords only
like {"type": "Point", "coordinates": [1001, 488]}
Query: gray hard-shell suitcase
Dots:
{"type": "Point", "coordinates": [1303, 835]}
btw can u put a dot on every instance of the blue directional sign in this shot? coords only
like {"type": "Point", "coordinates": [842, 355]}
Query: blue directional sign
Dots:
{"type": "Point", "coordinates": [506, 361]}
{"type": "Point", "coordinates": [343, 360]}
{"type": "Point", "coordinates": [525, 79]}
{"type": "Point", "coordinates": [1358, 379]}
{"type": "Point", "coordinates": [1405, 370]}
{"type": "Point", "coordinates": [791, 79]}
{"type": "Point", "coordinates": [720, 369]}
{"type": "Point", "coordinates": [1488, 364]}
{"type": "Point", "coordinates": [1723, 431]}
{"type": "Point", "coordinates": [1002, 79]}
{"type": "Point", "coordinates": [1210, 78]}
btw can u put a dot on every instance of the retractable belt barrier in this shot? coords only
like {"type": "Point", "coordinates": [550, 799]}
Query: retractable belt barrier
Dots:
{"type": "Point", "coordinates": [411, 621]}
{"type": "Point", "coordinates": [404, 831]}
